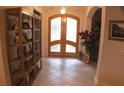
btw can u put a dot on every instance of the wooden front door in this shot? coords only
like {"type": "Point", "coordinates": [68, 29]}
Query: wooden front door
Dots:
{"type": "Point", "coordinates": [63, 35]}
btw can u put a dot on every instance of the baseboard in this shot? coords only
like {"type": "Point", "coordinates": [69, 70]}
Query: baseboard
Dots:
{"type": "Point", "coordinates": [99, 83]}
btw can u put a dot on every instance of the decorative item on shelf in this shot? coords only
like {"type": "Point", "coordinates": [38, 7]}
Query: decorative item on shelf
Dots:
{"type": "Point", "coordinates": [13, 20]}
{"type": "Point", "coordinates": [19, 51]}
{"type": "Point", "coordinates": [90, 45]}
{"type": "Point", "coordinates": [27, 33]}
{"type": "Point", "coordinates": [17, 40]}
{"type": "Point", "coordinates": [29, 62]}
{"type": "Point", "coordinates": [116, 30]}
{"type": "Point", "coordinates": [13, 35]}
{"type": "Point", "coordinates": [27, 49]}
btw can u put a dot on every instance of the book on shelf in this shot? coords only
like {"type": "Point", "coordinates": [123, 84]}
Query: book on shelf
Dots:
{"type": "Point", "coordinates": [17, 79]}
{"type": "Point", "coordinates": [15, 65]}
{"type": "Point", "coordinates": [26, 25]}
{"type": "Point", "coordinates": [37, 35]}
{"type": "Point", "coordinates": [11, 37]}
{"type": "Point", "coordinates": [13, 53]}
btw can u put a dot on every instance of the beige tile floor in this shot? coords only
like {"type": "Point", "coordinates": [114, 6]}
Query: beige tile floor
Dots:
{"type": "Point", "coordinates": [65, 72]}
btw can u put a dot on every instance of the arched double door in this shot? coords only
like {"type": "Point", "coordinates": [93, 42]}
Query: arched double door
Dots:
{"type": "Point", "coordinates": [63, 35]}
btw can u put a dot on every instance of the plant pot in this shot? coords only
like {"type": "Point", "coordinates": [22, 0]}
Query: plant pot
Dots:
{"type": "Point", "coordinates": [86, 56]}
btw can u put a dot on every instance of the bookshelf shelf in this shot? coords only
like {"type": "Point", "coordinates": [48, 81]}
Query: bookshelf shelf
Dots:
{"type": "Point", "coordinates": [37, 41]}
{"type": "Point", "coordinates": [23, 39]}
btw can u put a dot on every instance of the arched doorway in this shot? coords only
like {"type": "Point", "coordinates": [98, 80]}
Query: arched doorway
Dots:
{"type": "Point", "coordinates": [63, 35]}
{"type": "Point", "coordinates": [96, 28]}
{"type": "Point", "coordinates": [93, 25]}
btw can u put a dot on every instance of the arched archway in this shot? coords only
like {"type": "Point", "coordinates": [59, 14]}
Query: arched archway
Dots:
{"type": "Point", "coordinates": [90, 13]}
{"type": "Point", "coordinates": [93, 24]}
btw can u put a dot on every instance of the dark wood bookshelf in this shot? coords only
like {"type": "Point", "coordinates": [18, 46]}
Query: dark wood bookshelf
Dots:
{"type": "Point", "coordinates": [23, 43]}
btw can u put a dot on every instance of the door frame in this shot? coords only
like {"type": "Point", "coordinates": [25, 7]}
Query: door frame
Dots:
{"type": "Point", "coordinates": [63, 27]}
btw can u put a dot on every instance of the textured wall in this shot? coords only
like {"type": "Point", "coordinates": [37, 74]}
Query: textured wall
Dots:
{"type": "Point", "coordinates": [110, 69]}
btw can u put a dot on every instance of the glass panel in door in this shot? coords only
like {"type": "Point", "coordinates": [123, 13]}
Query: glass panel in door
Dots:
{"type": "Point", "coordinates": [71, 35]}
{"type": "Point", "coordinates": [55, 34]}
{"type": "Point", "coordinates": [55, 48]}
{"type": "Point", "coordinates": [71, 30]}
{"type": "Point", "coordinates": [70, 48]}
{"type": "Point", "coordinates": [56, 29]}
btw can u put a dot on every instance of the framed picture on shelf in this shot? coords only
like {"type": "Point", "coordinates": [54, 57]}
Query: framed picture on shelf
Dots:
{"type": "Point", "coordinates": [116, 30]}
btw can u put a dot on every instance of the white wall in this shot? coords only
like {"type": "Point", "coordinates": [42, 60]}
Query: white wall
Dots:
{"type": "Point", "coordinates": [110, 69]}
{"type": "Point", "coordinates": [50, 11]}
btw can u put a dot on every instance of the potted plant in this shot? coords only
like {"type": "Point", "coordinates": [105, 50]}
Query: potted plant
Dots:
{"type": "Point", "coordinates": [90, 44]}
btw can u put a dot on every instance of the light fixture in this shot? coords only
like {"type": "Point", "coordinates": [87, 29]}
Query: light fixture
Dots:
{"type": "Point", "coordinates": [62, 10]}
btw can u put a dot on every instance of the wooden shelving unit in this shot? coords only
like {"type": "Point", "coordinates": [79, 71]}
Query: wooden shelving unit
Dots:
{"type": "Point", "coordinates": [37, 40]}
{"type": "Point", "coordinates": [24, 45]}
